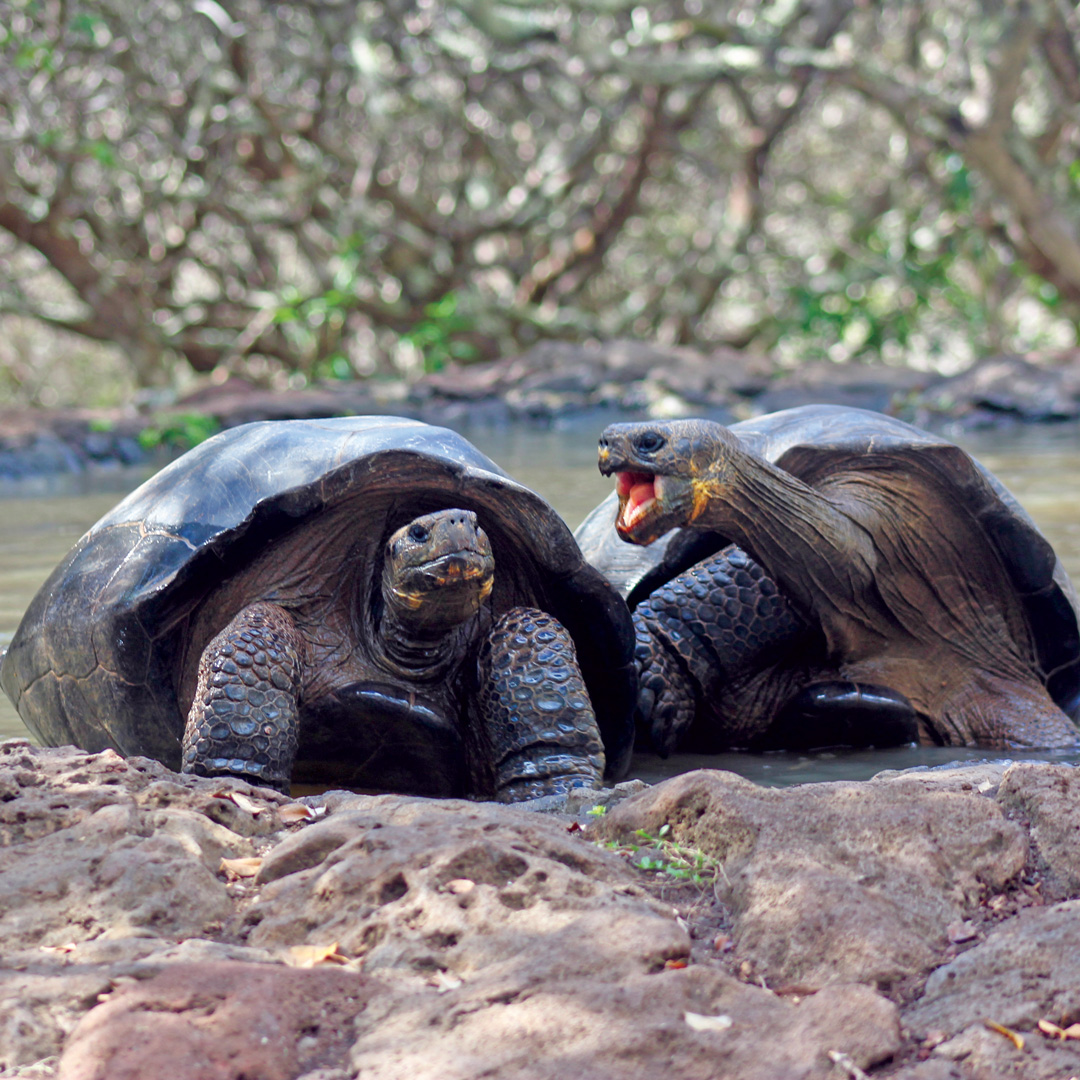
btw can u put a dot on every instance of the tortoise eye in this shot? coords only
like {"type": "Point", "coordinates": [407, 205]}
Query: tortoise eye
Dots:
{"type": "Point", "coordinates": [649, 442]}
{"type": "Point", "coordinates": [418, 533]}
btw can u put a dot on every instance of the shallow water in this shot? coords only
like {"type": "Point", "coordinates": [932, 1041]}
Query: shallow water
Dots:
{"type": "Point", "coordinates": [39, 522]}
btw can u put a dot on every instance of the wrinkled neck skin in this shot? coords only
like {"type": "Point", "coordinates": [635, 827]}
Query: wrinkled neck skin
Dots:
{"type": "Point", "coordinates": [428, 640]}
{"type": "Point", "coordinates": [807, 544]}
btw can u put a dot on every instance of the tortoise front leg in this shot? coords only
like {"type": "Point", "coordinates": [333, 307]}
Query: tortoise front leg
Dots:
{"type": "Point", "coordinates": [702, 640]}
{"type": "Point", "coordinates": [244, 719]}
{"type": "Point", "coordinates": [538, 730]}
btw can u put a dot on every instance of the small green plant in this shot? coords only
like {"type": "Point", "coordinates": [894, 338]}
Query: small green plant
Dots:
{"type": "Point", "coordinates": [435, 336]}
{"type": "Point", "coordinates": [178, 431]}
{"type": "Point", "coordinates": [597, 811]}
{"type": "Point", "coordinates": [314, 324]}
{"type": "Point", "coordinates": [660, 855]}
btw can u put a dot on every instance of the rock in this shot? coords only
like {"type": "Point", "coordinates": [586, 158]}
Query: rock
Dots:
{"type": "Point", "coordinates": [1027, 970]}
{"type": "Point", "coordinates": [841, 882]}
{"type": "Point", "coordinates": [839, 927]}
{"type": "Point", "coordinates": [542, 902]}
{"type": "Point", "coordinates": [1048, 796]}
{"type": "Point", "coordinates": [219, 1021]}
{"type": "Point", "coordinates": [1007, 386]}
{"type": "Point", "coordinates": [637, 1029]}
{"type": "Point", "coordinates": [549, 383]}
{"type": "Point", "coordinates": [861, 386]}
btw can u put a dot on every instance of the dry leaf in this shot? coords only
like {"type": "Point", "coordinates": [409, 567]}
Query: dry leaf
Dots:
{"type": "Point", "coordinates": [306, 956]}
{"type": "Point", "coordinates": [240, 868]}
{"type": "Point", "coordinates": [294, 812]}
{"type": "Point", "coordinates": [250, 805]}
{"type": "Point", "coordinates": [1051, 1029]}
{"type": "Point", "coordinates": [460, 885]}
{"type": "Point", "coordinates": [681, 962]}
{"type": "Point", "coordinates": [698, 1022]}
{"type": "Point", "coordinates": [66, 948]}
{"type": "Point", "coordinates": [849, 1066]}
{"type": "Point", "coordinates": [1013, 1036]}
{"type": "Point", "coordinates": [443, 981]}
{"type": "Point", "coordinates": [723, 943]}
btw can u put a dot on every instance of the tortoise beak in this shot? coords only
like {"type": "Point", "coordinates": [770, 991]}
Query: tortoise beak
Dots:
{"type": "Point", "coordinates": [640, 492]}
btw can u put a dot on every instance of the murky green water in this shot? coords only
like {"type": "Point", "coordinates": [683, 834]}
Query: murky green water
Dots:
{"type": "Point", "coordinates": [1041, 466]}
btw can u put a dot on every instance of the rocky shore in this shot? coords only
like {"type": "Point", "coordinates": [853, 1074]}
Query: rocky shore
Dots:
{"type": "Point", "coordinates": [555, 384]}
{"type": "Point", "coordinates": [923, 925]}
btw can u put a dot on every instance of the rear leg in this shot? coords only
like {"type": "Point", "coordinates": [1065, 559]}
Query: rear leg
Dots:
{"type": "Point", "coordinates": [244, 719]}
{"type": "Point", "coordinates": [537, 729]}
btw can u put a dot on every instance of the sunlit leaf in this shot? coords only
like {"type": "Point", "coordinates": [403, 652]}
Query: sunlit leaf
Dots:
{"type": "Point", "coordinates": [701, 1022]}
{"type": "Point", "coordinates": [295, 813]}
{"type": "Point", "coordinates": [240, 868]}
{"type": "Point", "coordinates": [306, 956]}
{"type": "Point", "coordinates": [1013, 1036]}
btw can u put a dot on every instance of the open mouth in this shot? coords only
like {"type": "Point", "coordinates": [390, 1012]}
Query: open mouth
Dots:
{"type": "Point", "coordinates": [638, 494]}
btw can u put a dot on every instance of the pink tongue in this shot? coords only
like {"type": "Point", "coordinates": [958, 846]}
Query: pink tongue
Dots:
{"type": "Point", "coordinates": [641, 493]}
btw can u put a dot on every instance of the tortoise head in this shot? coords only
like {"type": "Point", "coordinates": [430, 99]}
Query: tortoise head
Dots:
{"type": "Point", "coordinates": [438, 570]}
{"type": "Point", "coordinates": [665, 472]}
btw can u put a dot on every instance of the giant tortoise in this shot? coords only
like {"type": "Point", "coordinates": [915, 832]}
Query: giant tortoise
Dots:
{"type": "Point", "coordinates": [361, 601]}
{"type": "Point", "coordinates": [884, 586]}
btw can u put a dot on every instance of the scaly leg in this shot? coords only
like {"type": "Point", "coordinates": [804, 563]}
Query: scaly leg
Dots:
{"type": "Point", "coordinates": [538, 728]}
{"type": "Point", "coordinates": [701, 639]}
{"type": "Point", "coordinates": [244, 719]}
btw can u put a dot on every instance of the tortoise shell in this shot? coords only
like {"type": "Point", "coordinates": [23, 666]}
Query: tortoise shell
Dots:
{"type": "Point", "coordinates": [813, 441]}
{"type": "Point", "coordinates": [106, 652]}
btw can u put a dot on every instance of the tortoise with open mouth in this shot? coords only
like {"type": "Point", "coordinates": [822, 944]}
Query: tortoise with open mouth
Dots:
{"type": "Point", "coordinates": [880, 573]}
{"type": "Point", "coordinates": [363, 601]}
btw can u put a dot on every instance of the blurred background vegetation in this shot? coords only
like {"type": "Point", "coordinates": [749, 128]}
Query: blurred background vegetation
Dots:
{"type": "Point", "coordinates": [343, 189]}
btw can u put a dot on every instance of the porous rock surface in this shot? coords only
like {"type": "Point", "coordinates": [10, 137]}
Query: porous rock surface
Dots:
{"type": "Point", "coordinates": [154, 924]}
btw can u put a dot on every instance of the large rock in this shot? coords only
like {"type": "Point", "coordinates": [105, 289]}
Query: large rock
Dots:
{"type": "Point", "coordinates": [220, 1021]}
{"type": "Point", "coordinates": [1027, 970]}
{"type": "Point", "coordinates": [156, 924]}
{"type": "Point", "coordinates": [841, 882]}
{"type": "Point", "coordinates": [461, 888]}
{"type": "Point", "coordinates": [1007, 386]}
{"type": "Point", "coordinates": [694, 1024]}
{"type": "Point", "coordinates": [1048, 799]}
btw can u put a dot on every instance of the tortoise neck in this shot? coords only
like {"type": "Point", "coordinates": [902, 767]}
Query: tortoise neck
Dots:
{"type": "Point", "coordinates": [420, 645]}
{"type": "Point", "coordinates": [813, 550]}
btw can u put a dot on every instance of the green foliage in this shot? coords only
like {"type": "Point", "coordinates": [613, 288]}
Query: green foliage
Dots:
{"type": "Point", "coordinates": [881, 288]}
{"type": "Point", "coordinates": [101, 151]}
{"type": "Point", "coordinates": [178, 431]}
{"type": "Point", "coordinates": [436, 338]}
{"type": "Point", "coordinates": [35, 56]}
{"type": "Point", "coordinates": [292, 187]}
{"type": "Point", "coordinates": [91, 29]}
{"type": "Point", "coordinates": [314, 324]}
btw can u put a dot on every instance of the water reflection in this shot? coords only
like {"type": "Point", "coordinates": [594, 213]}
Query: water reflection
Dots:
{"type": "Point", "coordinates": [39, 522]}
